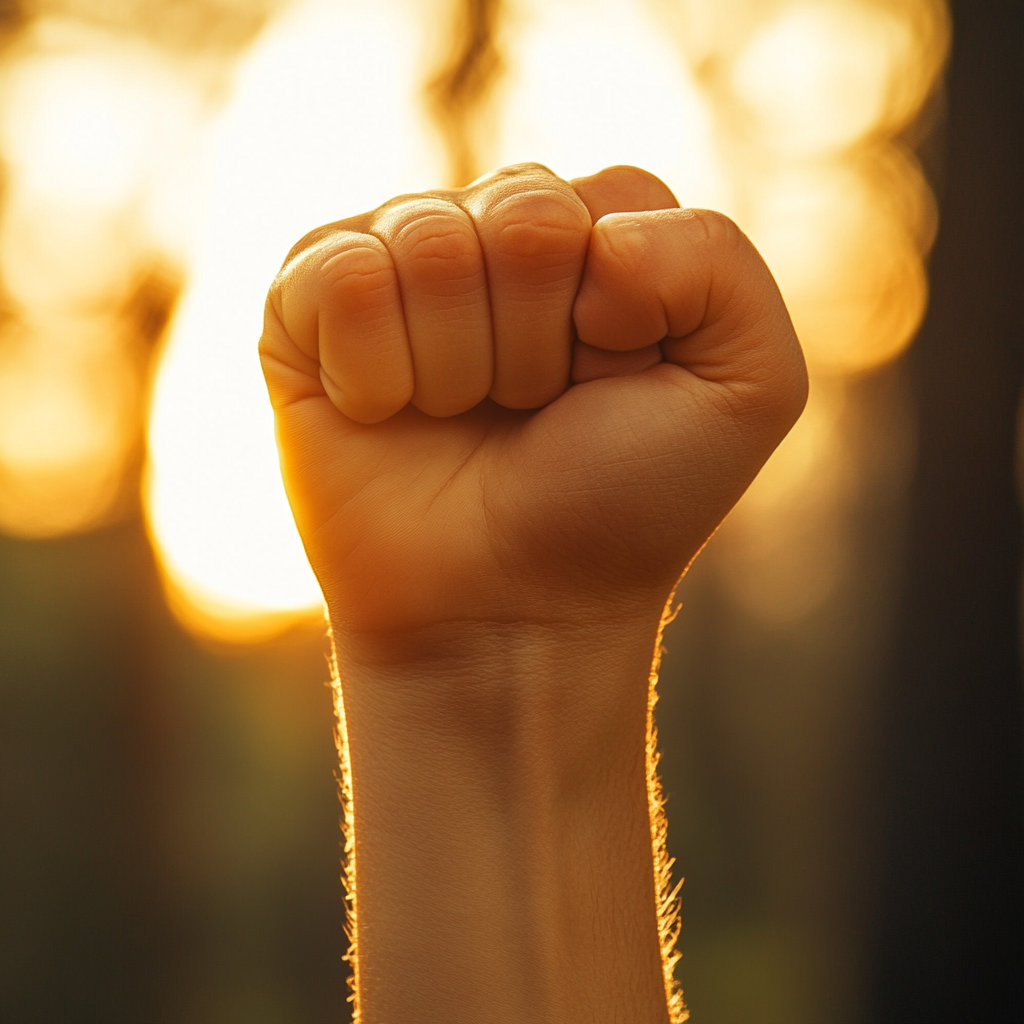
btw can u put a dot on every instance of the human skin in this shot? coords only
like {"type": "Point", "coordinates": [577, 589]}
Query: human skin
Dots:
{"type": "Point", "coordinates": [509, 417]}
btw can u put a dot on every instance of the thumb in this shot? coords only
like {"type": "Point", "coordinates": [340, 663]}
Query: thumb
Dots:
{"type": "Point", "coordinates": [619, 189]}
{"type": "Point", "coordinates": [690, 282]}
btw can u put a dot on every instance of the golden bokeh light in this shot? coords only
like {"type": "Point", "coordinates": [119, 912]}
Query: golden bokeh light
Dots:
{"type": "Point", "coordinates": [87, 119]}
{"type": "Point", "coordinates": [79, 124]}
{"type": "Point", "coordinates": [69, 402]}
{"type": "Point", "coordinates": [586, 92]}
{"type": "Point", "coordinates": [786, 115]}
{"type": "Point", "coordinates": [820, 77]}
{"type": "Point", "coordinates": [303, 139]}
{"type": "Point", "coordinates": [845, 252]}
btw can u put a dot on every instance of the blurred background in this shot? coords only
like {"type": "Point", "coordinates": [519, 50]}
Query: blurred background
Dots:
{"type": "Point", "coordinates": [840, 706]}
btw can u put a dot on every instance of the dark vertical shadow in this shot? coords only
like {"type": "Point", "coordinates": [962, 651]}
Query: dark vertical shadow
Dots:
{"type": "Point", "coordinates": [951, 935]}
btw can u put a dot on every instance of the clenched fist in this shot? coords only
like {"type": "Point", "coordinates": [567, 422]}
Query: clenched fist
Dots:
{"type": "Point", "coordinates": [509, 416]}
{"type": "Point", "coordinates": [521, 400]}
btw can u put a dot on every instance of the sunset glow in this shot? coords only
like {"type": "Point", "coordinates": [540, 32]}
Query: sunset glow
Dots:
{"type": "Point", "coordinates": [89, 123]}
{"type": "Point", "coordinates": [778, 143]}
{"type": "Point", "coordinates": [303, 139]}
{"type": "Point", "coordinates": [118, 162]}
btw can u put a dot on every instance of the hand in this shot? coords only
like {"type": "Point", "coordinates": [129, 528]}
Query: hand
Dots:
{"type": "Point", "coordinates": [441, 463]}
{"type": "Point", "coordinates": [509, 416]}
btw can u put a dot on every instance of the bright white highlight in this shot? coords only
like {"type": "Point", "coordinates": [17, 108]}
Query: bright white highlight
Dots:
{"type": "Point", "coordinates": [820, 76]}
{"type": "Point", "coordinates": [601, 83]}
{"type": "Point", "coordinates": [323, 122]}
{"type": "Point", "coordinates": [80, 126]}
{"type": "Point", "coordinates": [89, 122]}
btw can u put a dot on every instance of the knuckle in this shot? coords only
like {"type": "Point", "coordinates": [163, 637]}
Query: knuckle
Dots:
{"type": "Point", "coordinates": [437, 247]}
{"type": "Point", "coordinates": [529, 168]}
{"type": "Point", "coordinates": [637, 187]}
{"type": "Point", "coordinates": [539, 224]}
{"type": "Point", "coordinates": [309, 243]}
{"type": "Point", "coordinates": [356, 277]}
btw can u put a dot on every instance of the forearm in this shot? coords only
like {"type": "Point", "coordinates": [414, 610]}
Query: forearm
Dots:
{"type": "Point", "coordinates": [503, 845]}
{"type": "Point", "coordinates": [500, 776]}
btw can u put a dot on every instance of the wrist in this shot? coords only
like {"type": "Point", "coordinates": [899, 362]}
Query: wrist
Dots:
{"type": "Point", "coordinates": [498, 778]}
{"type": "Point", "coordinates": [563, 692]}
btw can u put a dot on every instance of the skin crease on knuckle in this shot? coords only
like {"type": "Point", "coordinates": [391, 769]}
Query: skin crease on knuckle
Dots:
{"type": "Point", "coordinates": [440, 258]}
{"type": "Point", "coordinates": [355, 280]}
{"type": "Point", "coordinates": [527, 211]}
{"type": "Point", "coordinates": [363, 355]}
{"type": "Point", "coordinates": [543, 227]}
{"type": "Point", "coordinates": [440, 268]}
{"type": "Point", "coordinates": [435, 241]}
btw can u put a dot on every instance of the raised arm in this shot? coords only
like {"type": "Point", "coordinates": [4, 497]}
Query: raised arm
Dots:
{"type": "Point", "coordinates": [509, 418]}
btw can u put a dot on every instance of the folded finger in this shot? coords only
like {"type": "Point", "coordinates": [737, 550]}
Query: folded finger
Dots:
{"type": "Point", "coordinates": [533, 232]}
{"type": "Point", "coordinates": [440, 270]}
{"type": "Point", "coordinates": [589, 363]}
{"type": "Point", "coordinates": [623, 189]}
{"type": "Point", "coordinates": [340, 304]}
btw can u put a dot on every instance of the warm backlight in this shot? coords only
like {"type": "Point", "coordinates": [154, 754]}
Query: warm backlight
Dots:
{"type": "Point", "coordinates": [819, 77]}
{"type": "Point", "coordinates": [586, 91]}
{"type": "Point", "coordinates": [305, 138]}
{"type": "Point", "coordinates": [787, 118]}
{"type": "Point", "coordinates": [788, 138]}
{"type": "Point", "coordinates": [88, 121]}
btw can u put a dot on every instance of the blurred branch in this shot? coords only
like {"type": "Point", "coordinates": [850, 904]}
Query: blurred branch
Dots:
{"type": "Point", "coordinates": [458, 91]}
